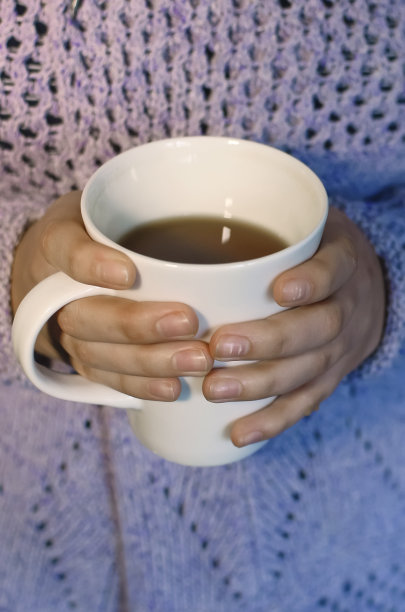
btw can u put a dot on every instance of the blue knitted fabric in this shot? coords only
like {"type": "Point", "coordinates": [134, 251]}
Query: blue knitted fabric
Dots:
{"type": "Point", "coordinates": [89, 519]}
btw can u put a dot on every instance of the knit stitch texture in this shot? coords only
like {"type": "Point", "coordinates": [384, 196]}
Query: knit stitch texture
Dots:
{"type": "Point", "coordinates": [89, 519]}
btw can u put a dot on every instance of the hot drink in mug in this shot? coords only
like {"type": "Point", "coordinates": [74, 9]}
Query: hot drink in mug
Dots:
{"type": "Point", "coordinates": [239, 214]}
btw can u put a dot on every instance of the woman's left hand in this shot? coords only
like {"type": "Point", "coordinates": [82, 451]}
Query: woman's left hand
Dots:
{"type": "Point", "coordinates": [336, 319]}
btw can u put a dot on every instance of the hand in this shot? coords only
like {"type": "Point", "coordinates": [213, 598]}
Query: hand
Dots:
{"type": "Point", "coordinates": [139, 348]}
{"type": "Point", "coordinates": [302, 354]}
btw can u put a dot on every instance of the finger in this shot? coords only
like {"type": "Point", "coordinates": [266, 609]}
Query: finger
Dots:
{"type": "Point", "coordinates": [116, 320]}
{"type": "Point", "coordinates": [267, 378]}
{"type": "Point", "coordinates": [285, 411]}
{"type": "Point", "coordinates": [155, 360]}
{"type": "Point", "coordinates": [288, 333]}
{"type": "Point", "coordinates": [323, 274]}
{"type": "Point", "coordinates": [159, 389]}
{"type": "Point", "coordinates": [66, 246]}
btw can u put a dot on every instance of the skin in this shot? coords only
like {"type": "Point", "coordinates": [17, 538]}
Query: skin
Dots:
{"type": "Point", "coordinates": [142, 348]}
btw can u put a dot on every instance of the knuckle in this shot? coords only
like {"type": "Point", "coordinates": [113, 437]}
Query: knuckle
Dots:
{"type": "Point", "coordinates": [47, 238]}
{"type": "Point", "coordinates": [129, 322]}
{"type": "Point", "coordinates": [74, 263]}
{"type": "Point", "coordinates": [324, 361]}
{"type": "Point", "coordinates": [67, 318]}
{"type": "Point", "coordinates": [278, 340]}
{"type": "Point", "coordinates": [340, 347]}
{"type": "Point", "coordinates": [321, 278]}
{"type": "Point", "coordinates": [266, 373]}
{"type": "Point", "coordinates": [309, 399]}
{"type": "Point", "coordinates": [321, 391]}
{"type": "Point", "coordinates": [310, 410]}
{"type": "Point", "coordinates": [288, 418]}
{"type": "Point", "coordinates": [280, 343]}
{"type": "Point", "coordinates": [350, 250]}
{"type": "Point", "coordinates": [81, 351]}
{"type": "Point", "coordinates": [126, 384]}
{"type": "Point", "coordinates": [81, 369]}
{"type": "Point", "coordinates": [273, 429]}
{"type": "Point", "coordinates": [333, 320]}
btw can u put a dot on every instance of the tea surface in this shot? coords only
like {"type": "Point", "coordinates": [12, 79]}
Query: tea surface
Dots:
{"type": "Point", "coordinates": [202, 240]}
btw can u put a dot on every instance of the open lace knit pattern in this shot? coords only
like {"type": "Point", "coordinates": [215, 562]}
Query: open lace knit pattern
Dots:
{"type": "Point", "coordinates": [89, 520]}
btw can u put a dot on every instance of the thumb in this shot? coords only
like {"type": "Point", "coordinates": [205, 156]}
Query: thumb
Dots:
{"type": "Point", "coordinates": [67, 247]}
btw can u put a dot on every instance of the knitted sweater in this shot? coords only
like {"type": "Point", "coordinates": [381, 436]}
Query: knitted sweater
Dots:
{"type": "Point", "coordinates": [89, 519]}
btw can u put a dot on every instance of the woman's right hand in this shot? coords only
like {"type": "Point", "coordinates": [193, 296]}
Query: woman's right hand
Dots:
{"type": "Point", "coordinates": [138, 348]}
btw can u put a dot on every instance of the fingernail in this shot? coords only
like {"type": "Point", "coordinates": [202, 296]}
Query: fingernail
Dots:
{"type": "Point", "coordinates": [113, 272]}
{"type": "Point", "coordinates": [175, 325]}
{"type": "Point", "coordinates": [296, 291]}
{"type": "Point", "coordinates": [224, 389]}
{"type": "Point", "coordinates": [252, 437]}
{"type": "Point", "coordinates": [162, 390]}
{"type": "Point", "coordinates": [190, 361]}
{"type": "Point", "coordinates": [231, 347]}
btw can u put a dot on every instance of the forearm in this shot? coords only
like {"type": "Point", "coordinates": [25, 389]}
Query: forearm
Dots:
{"type": "Point", "coordinates": [15, 216]}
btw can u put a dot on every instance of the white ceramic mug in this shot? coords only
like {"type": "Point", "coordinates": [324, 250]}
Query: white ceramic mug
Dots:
{"type": "Point", "coordinates": [196, 175]}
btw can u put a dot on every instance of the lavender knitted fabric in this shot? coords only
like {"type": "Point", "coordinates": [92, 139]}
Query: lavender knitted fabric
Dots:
{"type": "Point", "coordinates": [89, 519]}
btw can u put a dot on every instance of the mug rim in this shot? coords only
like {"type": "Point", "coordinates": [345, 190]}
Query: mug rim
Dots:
{"type": "Point", "coordinates": [184, 141]}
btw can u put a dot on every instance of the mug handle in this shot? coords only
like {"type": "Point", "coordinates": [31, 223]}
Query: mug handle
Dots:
{"type": "Point", "coordinates": [35, 310]}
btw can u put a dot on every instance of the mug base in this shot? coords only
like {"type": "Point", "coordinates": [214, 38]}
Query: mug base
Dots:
{"type": "Point", "coordinates": [220, 452]}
